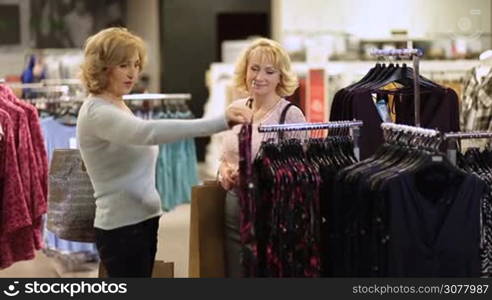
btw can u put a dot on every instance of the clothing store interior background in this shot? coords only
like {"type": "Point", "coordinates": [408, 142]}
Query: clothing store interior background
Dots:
{"type": "Point", "coordinates": [192, 47]}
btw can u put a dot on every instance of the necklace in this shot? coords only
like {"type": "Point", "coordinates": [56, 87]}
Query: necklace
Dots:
{"type": "Point", "coordinates": [259, 114]}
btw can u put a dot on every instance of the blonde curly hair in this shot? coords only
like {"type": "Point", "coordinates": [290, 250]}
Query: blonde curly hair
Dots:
{"type": "Point", "coordinates": [274, 53]}
{"type": "Point", "coordinates": [108, 48]}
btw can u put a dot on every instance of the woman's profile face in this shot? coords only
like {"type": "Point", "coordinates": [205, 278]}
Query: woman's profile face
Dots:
{"type": "Point", "coordinates": [262, 78]}
{"type": "Point", "coordinates": [123, 77]}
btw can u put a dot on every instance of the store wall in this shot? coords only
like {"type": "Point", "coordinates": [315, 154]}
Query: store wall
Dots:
{"type": "Point", "coordinates": [143, 19]}
{"type": "Point", "coordinates": [375, 18]}
{"type": "Point", "coordinates": [12, 57]}
{"type": "Point", "coordinates": [188, 45]}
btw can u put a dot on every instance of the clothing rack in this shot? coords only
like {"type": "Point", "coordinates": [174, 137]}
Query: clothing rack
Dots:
{"type": "Point", "coordinates": [354, 127]}
{"type": "Point", "coordinates": [410, 129]}
{"type": "Point", "coordinates": [453, 138]}
{"type": "Point", "coordinates": [415, 54]}
{"type": "Point", "coordinates": [64, 99]}
{"type": "Point", "coordinates": [24, 85]}
{"type": "Point", "coordinates": [39, 87]}
{"type": "Point", "coordinates": [413, 135]}
{"type": "Point", "coordinates": [149, 96]}
{"type": "Point", "coordinates": [68, 81]}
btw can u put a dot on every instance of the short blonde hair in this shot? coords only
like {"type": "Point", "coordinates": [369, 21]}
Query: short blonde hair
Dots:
{"type": "Point", "coordinates": [108, 48]}
{"type": "Point", "coordinates": [274, 52]}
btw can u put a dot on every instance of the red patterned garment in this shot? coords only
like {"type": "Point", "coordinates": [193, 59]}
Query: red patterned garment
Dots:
{"type": "Point", "coordinates": [36, 136]}
{"type": "Point", "coordinates": [22, 136]}
{"type": "Point", "coordinates": [16, 224]}
{"type": "Point", "coordinates": [39, 162]}
{"type": "Point", "coordinates": [249, 251]}
{"type": "Point", "coordinates": [21, 244]}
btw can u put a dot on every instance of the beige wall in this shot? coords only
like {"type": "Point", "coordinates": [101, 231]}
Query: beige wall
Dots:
{"type": "Point", "coordinates": [143, 19]}
{"type": "Point", "coordinates": [375, 18]}
{"type": "Point", "coordinates": [276, 17]}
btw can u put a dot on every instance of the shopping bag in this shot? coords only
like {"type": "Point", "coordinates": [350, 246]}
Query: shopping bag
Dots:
{"type": "Point", "coordinates": [71, 202]}
{"type": "Point", "coordinates": [207, 231]}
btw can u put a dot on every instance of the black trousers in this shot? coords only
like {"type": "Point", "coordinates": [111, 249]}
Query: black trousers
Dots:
{"type": "Point", "coordinates": [129, 251]}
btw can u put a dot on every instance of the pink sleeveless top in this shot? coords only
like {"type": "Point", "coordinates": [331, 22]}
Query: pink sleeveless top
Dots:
{"type": "Point", "coordinates": [230, 150]}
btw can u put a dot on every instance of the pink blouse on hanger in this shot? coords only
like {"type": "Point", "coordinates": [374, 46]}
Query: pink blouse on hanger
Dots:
{"type": "Point", "coordinates": [38, 163]}
{"type": "Point", "coordinates": [21, 235]}
{"type": "Point", "coordinates": [16, 238]}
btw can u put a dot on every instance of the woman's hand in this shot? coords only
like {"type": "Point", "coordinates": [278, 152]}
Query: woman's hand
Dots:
{"type": "Point", "coordinates": [237, 113]}
{"type": "Point", "coordinates": [228, 175]}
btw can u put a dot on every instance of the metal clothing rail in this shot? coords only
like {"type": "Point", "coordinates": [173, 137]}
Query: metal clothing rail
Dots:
{"type": "Point", "coordinates": [410, 129]}
{"type": "Point", "coordinates": [413, 136]}
{"type": "Point", "coordinates": [453, 137]}
{"type": "Point", "coordinates": [354, 127]}
{"type": "Point", "coordinates": [309, 126]}
{"type": "Point", "coordinates": [21, 85]}
{"type": "Point", "coordinates": [38, 87]}
{"type": "Point", "coordinates": [149, 96]}
{"type": "Point", "coordinates": [415, 54]}
{"type": "Point", "coordinates": [57, 81]}
{"type": "Point", "coordinates": [65, 99]}
{"type": "Point", "coordinates": [397, 52]}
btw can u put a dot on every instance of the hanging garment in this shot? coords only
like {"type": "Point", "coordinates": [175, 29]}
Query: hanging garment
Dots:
{"type": "Point", "coordinates": [29, 160]}
{"type": "Point", "coordinates": [176, 167]}
{"type": "Point", "coordinates": [249, 254]}
{"type": "Point", "coordinates": [35, 158]}
{"type": "Point", "coordinates": [28, 76]}
{"type": "Point", "coordinates": [282, 217]}
{"type": "Point", "coordinates": [36, 138]}
{"type": "Point", "coordinates": [476, 105]}
{"type": "Point", "coordinates": [480, 163]}
{"type": "Point", "coordinates": [405, 213]}
{"type": "Point", "coordinates": [282, 112]}
{"type": "Point", "coordinates": [439, 106]}
{"type": "Point", "coordinates": [16, 240]}
{"type": "Point", "coordinates": [57, 136]}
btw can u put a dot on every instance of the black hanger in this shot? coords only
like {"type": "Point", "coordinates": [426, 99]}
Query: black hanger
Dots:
{"type": "Point", "coordinates": [428, 159]}
{"type": "Point", "coordinates": [369, 77]}
{"type": "Point", "coordinates": [386, 158]}
{"type": "Point", "coordinates": [381, 76]}
{"type": "Point", "coordinates": [404, 76]}
{"type": "Point", "coordinates": [393, 157]}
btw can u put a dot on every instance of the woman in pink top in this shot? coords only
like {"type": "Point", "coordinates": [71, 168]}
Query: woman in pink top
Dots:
{"type": "Point", "coordinates": [264, 71]}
